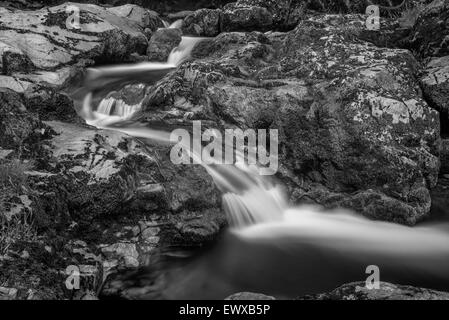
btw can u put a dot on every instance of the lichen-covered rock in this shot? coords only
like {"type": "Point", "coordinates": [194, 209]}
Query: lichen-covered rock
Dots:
{"type": "Point", "coordinates": [101, 172]}
{"type": "Point", "coordinates": [203, 22]}
{"type": "Point", "coordinates": [162, 42]}
{"type": "Point", "coordinates": [431, 31]}
{"type": "Point", "coordinates": [50, 104]}
{"type": "Point", "coordinates": [245, 15]}
{"type": "Point", "coordinates": [435, 84]}
{"type": "Point", "coordinates": [387, 291]}
{"type": "Point", "coordinates": [16, 123]}
{"type": "Point", "coordinates": [370, 112]}
{"type": "Point", "coordinates": [101, 35]}
{"type": "Point", "coordinates": [21, 114]}
{"type": "Point", "coordinates": [245, 18]}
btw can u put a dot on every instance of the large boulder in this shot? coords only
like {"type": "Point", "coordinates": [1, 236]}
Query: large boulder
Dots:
{"type": "Point", "coordinates": [245, 15]}
{"type": "Point", "coordinates": [387, 291]}
{"type": "Point", "coordinates": [284, 14]}
{"type": "Point", "coordinates": [103, 173]}
{"type": "Point", "coordinates": [49, 43]}
{"type": "Point", "coordinates": [371, 120]}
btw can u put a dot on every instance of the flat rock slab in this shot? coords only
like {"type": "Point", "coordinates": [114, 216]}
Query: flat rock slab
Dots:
{"type": "Point", "coordinates": [56, 37]}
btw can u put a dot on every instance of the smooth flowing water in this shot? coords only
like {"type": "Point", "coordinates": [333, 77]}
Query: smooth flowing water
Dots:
{"type": "Point", "coordinates": [271, 247]}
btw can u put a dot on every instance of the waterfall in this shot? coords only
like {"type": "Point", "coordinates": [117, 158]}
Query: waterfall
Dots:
{"type": "Point", "coordinates": [117, 109]}
{"type": "Point", "coordinates": [183, 51]}
{"type": "Point", "coordinates": [176, 25]}
{"type": "Point", "coordinates": [106, 105]}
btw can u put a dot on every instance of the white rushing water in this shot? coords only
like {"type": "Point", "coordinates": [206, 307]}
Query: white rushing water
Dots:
{"type": "Point", "coordinates": [337, 241]}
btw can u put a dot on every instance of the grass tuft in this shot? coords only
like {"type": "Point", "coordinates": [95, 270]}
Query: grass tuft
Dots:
{"type": "Point", "coordinates": [13, 183]}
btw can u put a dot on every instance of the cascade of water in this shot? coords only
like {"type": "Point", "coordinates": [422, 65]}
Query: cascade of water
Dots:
{"type": "Point", "coordinates": [176, 25]}
{"type": "Point", "coordinates": [126, 110]}
{"type": "Point", "coordinates": [106, 105]}
{"type": "Point", "coordinates": [183, 51]}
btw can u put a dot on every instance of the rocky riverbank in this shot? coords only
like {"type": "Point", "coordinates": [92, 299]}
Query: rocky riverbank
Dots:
{"type": "Point", "coordinates": [362, 118]}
